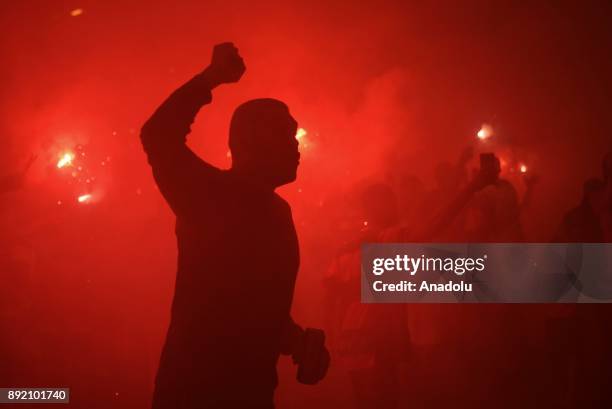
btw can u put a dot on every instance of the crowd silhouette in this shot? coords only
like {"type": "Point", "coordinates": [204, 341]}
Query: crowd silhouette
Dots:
{"type": "Point", "coordinates": [490, 355]}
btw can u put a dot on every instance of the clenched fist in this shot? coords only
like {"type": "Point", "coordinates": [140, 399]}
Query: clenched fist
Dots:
{"type": "Point", "coordinates": [226, 66]}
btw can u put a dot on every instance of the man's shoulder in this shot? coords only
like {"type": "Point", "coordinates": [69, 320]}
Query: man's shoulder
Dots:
{"type": "Point", "coordinates": [282, 202]}
{"type": "Point", "coordinates": [504, 184]}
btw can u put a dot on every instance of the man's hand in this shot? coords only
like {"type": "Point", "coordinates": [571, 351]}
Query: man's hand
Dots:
{"type": "Point", "coordinates": [311, 356]}
{"type": "Point", "coordinates": [226, 66]}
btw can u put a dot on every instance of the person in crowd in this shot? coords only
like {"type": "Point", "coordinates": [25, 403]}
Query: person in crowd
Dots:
{"type": "Point", "coordinates": [370, 341]}
{"type": "Point", "coordinates": [238, 253]}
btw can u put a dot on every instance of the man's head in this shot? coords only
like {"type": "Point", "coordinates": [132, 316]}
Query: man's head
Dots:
{"type": "Point", "coordinates": [490, 166]}
{"type": "Point", "coordinates": [262, 141]}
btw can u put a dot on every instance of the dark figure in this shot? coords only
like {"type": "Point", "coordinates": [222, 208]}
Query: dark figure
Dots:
{"type": "Point", "coordinates": [449, 179]}
{"type": "Point", "coordinates": [238, 250]}
{"type": "Point", "coordinates": [493, 203]}
{"type": "Point", "coordinates": [582, 224]}
{"type": "Point", "coordinates": [591, 222]}
{"type": "Point", "coordinates": [371, 340]}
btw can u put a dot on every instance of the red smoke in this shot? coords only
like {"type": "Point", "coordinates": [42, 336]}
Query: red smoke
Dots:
{"type": "Point", "coordinates": [380, 88]}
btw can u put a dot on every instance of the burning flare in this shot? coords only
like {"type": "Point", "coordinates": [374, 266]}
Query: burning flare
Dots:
{"type": "Point", "coordinates": [65, 160]}
{"type": "Point", "coordinates": [84, 198]}
{"type": "Point", "coordinates": [486, 131]}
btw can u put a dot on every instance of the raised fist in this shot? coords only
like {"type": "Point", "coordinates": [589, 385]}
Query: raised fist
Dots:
{"type": "Point", "coordinates": [226, 66]}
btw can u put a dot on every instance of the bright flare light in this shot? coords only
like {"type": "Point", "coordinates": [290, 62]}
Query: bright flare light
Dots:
{"type": "Point", "coordinates": [523, 169]}
{"type": "Point", "coordinates": [65, 160]}
{"type": "Point", "coordinates": [486, 131]}
{"type": "Point", "coordinates": [301, 132]}
{"type": "Point", "coordinates": [76, 12]}
{"type": "Point", "coordinates": [84, 198]}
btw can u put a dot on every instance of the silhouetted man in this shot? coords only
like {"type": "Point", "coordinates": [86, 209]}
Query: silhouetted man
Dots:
{"type": "Point", "coordinates": [238, 250]}
{"type": "Point", "coordinates": [582, 224]}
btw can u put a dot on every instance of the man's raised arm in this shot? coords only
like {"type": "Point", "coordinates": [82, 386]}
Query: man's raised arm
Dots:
{"type": "Point", "coordinates": [178, 171]}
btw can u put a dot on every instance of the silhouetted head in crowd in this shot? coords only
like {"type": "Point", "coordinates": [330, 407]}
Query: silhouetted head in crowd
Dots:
{"type": "Point", "coordinates": [263, 142]}
{"type": "Point", "coordinates": [593, 195]}
{"type": "Point", "coordinates": [490, 167]}
{"type": "Point", "coordinates": [379, 204]}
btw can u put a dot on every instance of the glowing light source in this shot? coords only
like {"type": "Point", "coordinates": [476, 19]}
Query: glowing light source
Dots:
{"type": "Point", "coordinates": [84, 198]}
{"type": "Point", "coordinates": [76, 12]}
{"type": "Point", "coordinates": [65, 160]}
{"type": "Point", "coordinates": [523, 168]}
{"type": "Point", "coordinates": [301, 132]}
{"type": "Point", "coordinates": [485, 132]}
